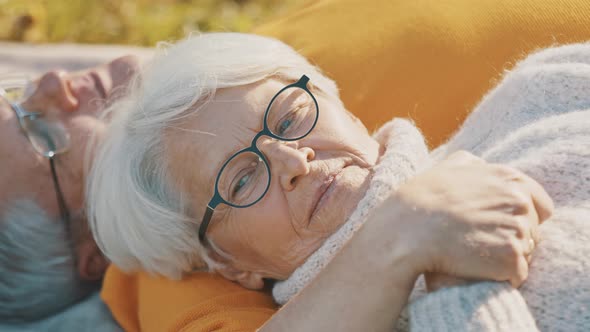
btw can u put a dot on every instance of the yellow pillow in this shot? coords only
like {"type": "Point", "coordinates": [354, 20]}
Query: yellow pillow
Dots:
{"type": "Point", "coordinates": [429, 60]}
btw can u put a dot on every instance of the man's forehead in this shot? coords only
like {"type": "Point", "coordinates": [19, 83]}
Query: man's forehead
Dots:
{"type": "Point", "coordinates": [6, 110]}
{"type": "Point", "coordinates": [4, 104]}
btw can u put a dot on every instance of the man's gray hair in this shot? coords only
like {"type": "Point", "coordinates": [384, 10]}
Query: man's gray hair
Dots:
{"type": "Point", "coordinates": [38, 275]}
{"type": "Point", "coordinates": [139, 218]}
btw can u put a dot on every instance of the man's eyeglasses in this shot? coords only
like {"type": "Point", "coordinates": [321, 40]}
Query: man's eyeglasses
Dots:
{"type": "Point", "coordinates": [48, 137]}
{"type": "Point", "coordinates": [245, 177]}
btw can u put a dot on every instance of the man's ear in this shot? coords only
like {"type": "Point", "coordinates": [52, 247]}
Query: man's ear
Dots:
{"type": "Point", "coordinates": [91, 263]}
{"type": "Point", "coordinates": [250, 280]}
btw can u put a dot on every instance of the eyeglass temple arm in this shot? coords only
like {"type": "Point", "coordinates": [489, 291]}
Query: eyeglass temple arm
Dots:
{"type": "Point", "coordinates": [205, 223]}
{"type": "Point", "coordinates": [63, 207]}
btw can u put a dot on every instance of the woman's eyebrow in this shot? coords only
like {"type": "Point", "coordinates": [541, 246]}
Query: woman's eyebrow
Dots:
{"type": "Point", "coordinates": [246, 143]}
{"type": "Point", "coordinates": [259, 109]}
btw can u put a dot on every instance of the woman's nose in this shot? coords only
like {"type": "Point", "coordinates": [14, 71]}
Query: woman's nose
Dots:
{"type": "Point", "coordinates": [287, 161]}
{"type": "Point", "coordinates": [52, 92]}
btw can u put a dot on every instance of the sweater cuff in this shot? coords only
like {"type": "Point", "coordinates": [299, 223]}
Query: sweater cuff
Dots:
{"type": "Point", "coordinates": [484, 306]}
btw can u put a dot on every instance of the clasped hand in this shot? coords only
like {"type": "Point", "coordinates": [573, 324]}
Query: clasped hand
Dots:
{"type": "Point", "coordinates": [471, 219]}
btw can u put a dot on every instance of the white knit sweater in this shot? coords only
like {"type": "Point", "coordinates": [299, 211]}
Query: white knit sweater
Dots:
{"type": "Point", "coordinates": [537, 120]}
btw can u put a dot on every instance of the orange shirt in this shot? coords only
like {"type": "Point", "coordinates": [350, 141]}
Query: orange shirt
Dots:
{"type": "Point", "coordinates": [200, 302]}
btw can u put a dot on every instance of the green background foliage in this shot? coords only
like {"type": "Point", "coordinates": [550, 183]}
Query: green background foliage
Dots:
{"type": "Point", "coordinates": [135, 22]}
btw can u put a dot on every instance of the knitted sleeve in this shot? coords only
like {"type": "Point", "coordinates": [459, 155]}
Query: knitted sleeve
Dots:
{"type": "Point", "coordinates": [485, 306]}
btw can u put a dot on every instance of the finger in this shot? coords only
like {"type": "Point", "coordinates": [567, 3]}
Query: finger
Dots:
{"type": "Point", "coordinates": [525, 233]}
{"type": "Point", "coordinates": [531, 237]}
{"type": "Point", "coordinates": [541, 200]}
{"type": "Point", "coordinates": [529, 246]}
{"type": "Point", "coordinates": [535, 235]}
{"type": "Point", "coordinates": [522, 272]}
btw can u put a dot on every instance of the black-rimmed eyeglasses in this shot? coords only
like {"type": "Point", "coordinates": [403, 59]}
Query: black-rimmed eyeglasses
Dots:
{"type": "Point", "coordinates": [245, 177]}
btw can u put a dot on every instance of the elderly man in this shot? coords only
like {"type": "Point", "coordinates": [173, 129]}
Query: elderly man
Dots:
{"type": "Point", "coordinates": [50, 267]}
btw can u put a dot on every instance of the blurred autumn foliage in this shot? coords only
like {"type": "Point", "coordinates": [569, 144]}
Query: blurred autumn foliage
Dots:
{"type": "Point", "coordinates": [136, 22]}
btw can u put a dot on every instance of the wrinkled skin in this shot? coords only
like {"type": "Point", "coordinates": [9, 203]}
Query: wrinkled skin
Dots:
{"type": "Point", "coordinates": [77, 100]}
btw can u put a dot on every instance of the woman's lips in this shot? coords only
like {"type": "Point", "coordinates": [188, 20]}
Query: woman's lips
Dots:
{"type": "Point", "coordinates": [325, 192]}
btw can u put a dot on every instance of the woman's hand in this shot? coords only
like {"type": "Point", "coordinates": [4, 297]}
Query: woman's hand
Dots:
{"type": "Point", "coordinates": [471, 219]}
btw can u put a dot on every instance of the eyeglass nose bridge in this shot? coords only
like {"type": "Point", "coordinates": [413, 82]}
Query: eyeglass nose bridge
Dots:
{"type": "Point", "coordinates": [254, 147]}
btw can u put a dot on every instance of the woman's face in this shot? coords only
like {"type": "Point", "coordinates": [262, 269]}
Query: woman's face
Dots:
{"type": "Point", "coordinates": [316, 182]}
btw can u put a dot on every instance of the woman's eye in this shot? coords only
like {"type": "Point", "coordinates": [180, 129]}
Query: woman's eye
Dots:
{"type": "Point", "coordinates": [242, 182]}
{"type": "Point", "coordinates": [288, 120]}
{"type": "Point", "coordinates": [284, 125]}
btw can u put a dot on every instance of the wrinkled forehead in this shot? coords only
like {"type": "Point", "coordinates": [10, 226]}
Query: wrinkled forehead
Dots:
{"type": "Point", "coordinates": [200, 143]}
{"type": "Point", "coordinates": [232, 118]}
{"type": "Point", "coordinates": [5, 108]}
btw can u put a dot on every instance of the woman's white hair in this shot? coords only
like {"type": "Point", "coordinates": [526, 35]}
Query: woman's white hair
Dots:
{"type": "Point", "coordinates": [139, 218]}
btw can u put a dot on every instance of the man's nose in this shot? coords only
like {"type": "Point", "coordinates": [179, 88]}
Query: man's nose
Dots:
{"type": "Point", "coordinates": [52, 93]}
{"type": "Point", "coordinates": [287, 160]}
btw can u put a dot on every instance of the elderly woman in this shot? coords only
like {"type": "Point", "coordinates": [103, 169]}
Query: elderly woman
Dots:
{"type": "Point", "coordinates": [251, 167]}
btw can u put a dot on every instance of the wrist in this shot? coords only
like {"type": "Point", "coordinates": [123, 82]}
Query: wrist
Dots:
{"type": "Point", "coordinates": [420, 228]}
{"type": "Point", "coordinates": [390, 232]}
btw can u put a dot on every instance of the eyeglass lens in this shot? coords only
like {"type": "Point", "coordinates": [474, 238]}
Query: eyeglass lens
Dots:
{"type": "Point", "coordinates": [47, 136]}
